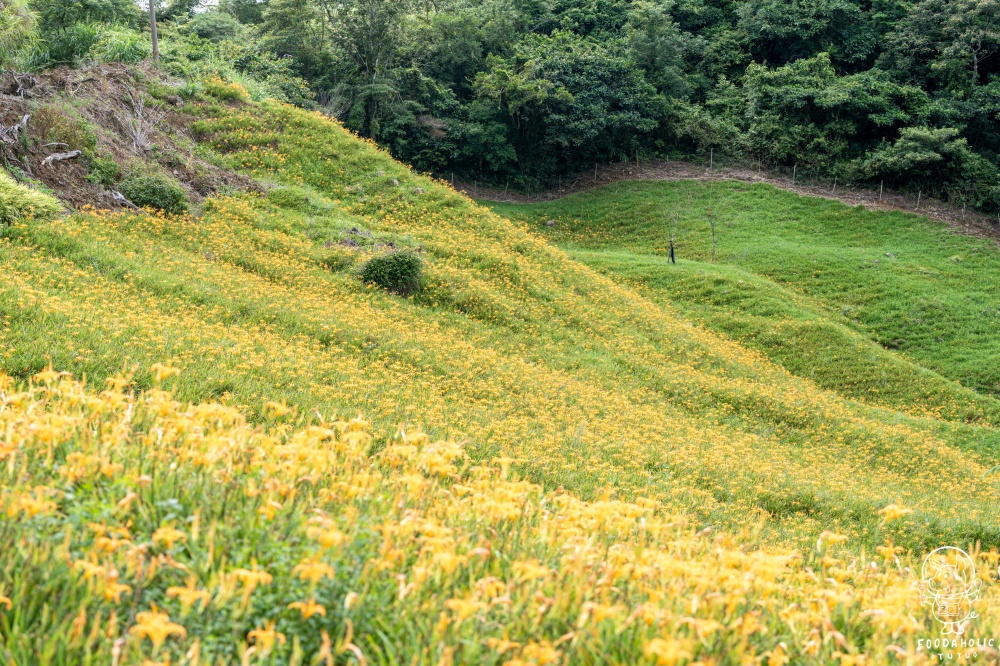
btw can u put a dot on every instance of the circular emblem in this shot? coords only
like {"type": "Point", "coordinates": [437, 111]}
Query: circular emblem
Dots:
{"type": "Point", "coordinates": [950, 587]}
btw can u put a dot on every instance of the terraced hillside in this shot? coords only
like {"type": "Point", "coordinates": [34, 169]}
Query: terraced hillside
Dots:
{"type": "Point", "coordinates": [577, 380]}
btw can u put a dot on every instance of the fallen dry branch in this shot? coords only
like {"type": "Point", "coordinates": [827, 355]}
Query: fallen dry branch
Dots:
{"type": "Point", "coordinates": [122, 201]}
{"type": "Point", "coordinates": [25, 82]}
{"type": "Point", "coordinates": [58, 157]}
{"type": "Point", "coordinates": [11, 134]}
{"type": "Point", "coordinates": [73, 90]}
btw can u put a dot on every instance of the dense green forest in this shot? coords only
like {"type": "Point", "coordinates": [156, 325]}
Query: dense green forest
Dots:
{"type": "Point", "coordinates": [521, 91]}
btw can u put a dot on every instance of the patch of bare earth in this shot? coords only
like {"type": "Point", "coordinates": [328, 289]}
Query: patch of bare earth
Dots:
{"type": "Point", "coordinates": [132, 128]}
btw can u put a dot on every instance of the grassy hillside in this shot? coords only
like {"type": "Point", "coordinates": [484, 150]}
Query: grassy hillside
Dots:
{"type": "Point", "coordinates": [510, 344]}
{"type": "Point", "coordinates": [821, 288]}
{"type": "Point", "coordinates": [531, 358]}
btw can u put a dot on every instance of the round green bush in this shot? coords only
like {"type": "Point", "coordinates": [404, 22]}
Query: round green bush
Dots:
{"type": "Point", "coordinates": [215, 26]}
{"type": "Point", "coordinates": [397, 272]}
{"type": "Point", "coordinates": [155, 191]}
{"type": "Point", "coordinates": [289, 197]}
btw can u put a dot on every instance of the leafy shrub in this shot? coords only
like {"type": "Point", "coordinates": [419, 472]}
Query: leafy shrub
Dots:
{"type": "Point", "coordinates": [936, 161]}
{"type": "Point", "coordinates": [398, 272]}
{"type": "Point", "coordinates": [103, 171]}
{"type": "Point", "coordinates": [122, 45]}
{"type": "Point", "coordinates": [56, 125]}
{"type": "Point", "coordinates": [57, 15]}
{"type": "Point", "coordinates": [289, 197]}
{"type": "Point", "coordinates": [178, 10]}
{"type": "Point", "coordinates": [240, 60]}
{"type": "Point", "coordinates": [276, 77]}
{"type": "Point", "coordinates": [18, 201]}
{"type": "Point", "coordinates": [225, 91]}
{"type": "Point", "coordinates": [214, 26]}
{"type": "Point", "coordinates": [155, 191]}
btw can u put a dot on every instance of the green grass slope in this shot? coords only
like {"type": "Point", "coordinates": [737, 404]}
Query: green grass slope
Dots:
{"type": "Point", "coordinates": [889, 308]}
{"type": "Point", "coordinates": [511, 345]}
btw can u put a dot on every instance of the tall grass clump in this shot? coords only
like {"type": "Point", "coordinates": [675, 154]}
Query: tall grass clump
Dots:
{"type": "Point", "coordinates": [120, 44]}
{"type": "Point", "coordinates": [19, 202]}
{"type": "Point", "coordinates": [66, 46]}
{"type": "Point", "coordinates": [17, 30]}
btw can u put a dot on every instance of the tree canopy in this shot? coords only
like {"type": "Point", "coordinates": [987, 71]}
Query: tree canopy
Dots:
{"type": "Point", "coordinates": [521, 91]}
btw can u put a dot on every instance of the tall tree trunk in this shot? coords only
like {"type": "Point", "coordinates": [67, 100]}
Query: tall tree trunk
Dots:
{"type": "Point", "coordinates": [975, 66]}
{"type": "Point", "coordinates": [152, 31]}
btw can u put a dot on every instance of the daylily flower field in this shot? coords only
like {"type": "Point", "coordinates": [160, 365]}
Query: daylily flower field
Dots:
{"type": "Point", "coordinates": [219, 446]}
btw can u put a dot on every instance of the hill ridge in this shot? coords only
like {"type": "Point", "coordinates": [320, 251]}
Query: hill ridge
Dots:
{"type": "Point", "coordinates": [969, 222]}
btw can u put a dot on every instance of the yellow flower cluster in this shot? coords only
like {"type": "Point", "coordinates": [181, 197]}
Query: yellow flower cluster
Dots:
{"type": "Point", "coordinates": [573, 378]}
{"type": "Point", "coordinates": [394, 548]}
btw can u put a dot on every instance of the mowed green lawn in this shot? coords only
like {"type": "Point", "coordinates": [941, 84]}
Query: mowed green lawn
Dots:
{"type": "Point", "coordinates": [890, 308]}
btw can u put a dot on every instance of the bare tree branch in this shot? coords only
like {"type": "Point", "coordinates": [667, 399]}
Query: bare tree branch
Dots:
{"type": "Point", "coordinates": [122, 201]}
{"type": "Point", "coordinates": [139, 123]}
{"type": "Point", "coordinates": [11, 134]}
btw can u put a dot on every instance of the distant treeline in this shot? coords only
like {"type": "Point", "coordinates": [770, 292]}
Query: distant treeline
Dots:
{"type": "Point", "coordinates": [521, 91]}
